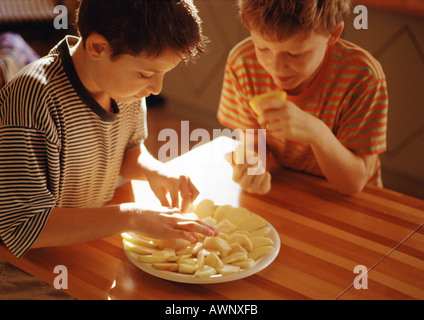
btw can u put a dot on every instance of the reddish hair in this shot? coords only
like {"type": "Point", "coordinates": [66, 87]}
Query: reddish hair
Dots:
{"type": "Point", "coordinates": [279, 19]}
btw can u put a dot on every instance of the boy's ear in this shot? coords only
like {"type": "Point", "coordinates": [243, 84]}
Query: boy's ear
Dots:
{"type": "Point", "coordinates": [96, 45]}
{"type": "Point", "coordinates": [335, 35]}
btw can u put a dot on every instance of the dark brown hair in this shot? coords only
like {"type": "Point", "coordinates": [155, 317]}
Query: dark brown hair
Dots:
{"type": "Point", "coordinates": [280, 19]}
{"type": "Point", "coordinates": [148, 26]}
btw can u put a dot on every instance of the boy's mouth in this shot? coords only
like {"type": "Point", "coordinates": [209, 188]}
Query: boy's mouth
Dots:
{"type": "Point", "coordinates": [285, 79]}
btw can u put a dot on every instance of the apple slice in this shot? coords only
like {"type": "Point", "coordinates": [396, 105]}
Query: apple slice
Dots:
{"type": "Point", "coordinates": [178, 258]}
{"type": "Point", "coordinates": [187, 268]}
{"type": "Point", "coordinates": [262, 232]}
{"type": "Point", "coordinates": [209, 220]}
{"type": "Point", "coordinates": [140, 240]}
{"type": "Point", "coordinates": [236, 214]}
{"type": "Point", "coordinates": [217, 243]}
{"type": "Point", "coordinates": [241, 239]}
{"type": "Point", "coordinates": [190, 261]}
{"type": "Point", "coordinates": [258, 253]}
{"type": "Point", "coordinates": [175, 244]}
{"type": "Point", "coordinates": [220, 212]}
{"type": "Point", "coordinates": [234, 257]}
{"type": "Point", "coordinates": [191, 249]}
{"type": "Point", "coordinates": [136, 248]}
{"type": "Point", "coordinates": [213, 260]}
{"type": "Point", "coordinates": [206, 271]}
{"type": "Point", "coordinates": [201, 258]}
{"type": "Point", "coordinates": [261, 242]}
{"type": "Point", "coordinates": [205, 208]}
{"type": "Point", "coordinates": [250, 223]}
{"type": "Point", "coordinates": [236, 247]}
{"type": "Point", "coordinates": [228, 269]}
{"type": "Point", "coordinates": [165, 253]}
{"type": "Point", "coordinates": [166, 266]}
{"type": "Point", "coordinates": [225, 226]}
{"type": "Point", "coordinates": [245, 264]}
{"type": "Point", "coordinates": [151, 259]}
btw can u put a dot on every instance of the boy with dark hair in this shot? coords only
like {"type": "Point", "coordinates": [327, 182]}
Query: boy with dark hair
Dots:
{"type": "Point", "coordinates": [333, 121]}
{"type": "Point", "coordinates": [74, 121]}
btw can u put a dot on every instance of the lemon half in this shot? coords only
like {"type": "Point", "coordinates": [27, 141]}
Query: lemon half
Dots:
{"type": "Point", "coordinates": [276, 95]}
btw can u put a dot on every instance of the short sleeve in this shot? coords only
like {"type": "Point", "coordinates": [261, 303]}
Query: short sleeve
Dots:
{"type": "Point", "coordinates": [25, 198]}
{"type": "Point", "coordinates": [363, 125]}
{"type": "Point", "coordinates": [139, 133]}
{"type": "Point", "coordinates": [234, 110]}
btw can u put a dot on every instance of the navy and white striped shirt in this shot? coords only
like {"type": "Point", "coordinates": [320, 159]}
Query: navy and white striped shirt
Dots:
{"type": "Point", "coordinates": [58, 146]}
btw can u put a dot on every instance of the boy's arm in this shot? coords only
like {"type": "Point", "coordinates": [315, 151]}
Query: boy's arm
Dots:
{"type": "Point", "coordinates": [345, 170]}
{"type": "Point", "coordinates": [139, 164]}
{"type": "Point", "coordinates": [29, 218]}
{"type": "Point", "coordinates": [68, 226]}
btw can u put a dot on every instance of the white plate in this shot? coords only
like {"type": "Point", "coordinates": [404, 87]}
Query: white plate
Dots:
{"type": "Point", "coordinates": [187, 278]}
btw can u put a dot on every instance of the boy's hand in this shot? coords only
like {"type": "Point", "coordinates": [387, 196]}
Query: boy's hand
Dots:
{"type": "Point", "coordinates": [165, 223]}
{"type": "Point", "coordinates": [287, 121]}
{"type": "Point", "coordinates": [163, 182]}
{"type": "Point", "coordinates": [258, 181]}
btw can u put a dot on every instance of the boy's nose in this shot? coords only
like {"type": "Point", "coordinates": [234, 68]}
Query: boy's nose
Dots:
{"type": "Point", "coordinates": [155, 87]}
{"type": "Point", "coordinates": [278, 63]}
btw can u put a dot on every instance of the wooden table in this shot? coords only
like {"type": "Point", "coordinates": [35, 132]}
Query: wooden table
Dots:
{"type": "Point", "coordinates": [324, 236]}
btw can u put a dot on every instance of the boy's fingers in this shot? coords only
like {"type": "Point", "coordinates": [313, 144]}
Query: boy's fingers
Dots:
{"type": "Point", "coordinates": [185, 194]}
{"type": "Point", "coordinates": [193, 190]}
{"type": "Point", "coordinates": [187, 236]}
{"type": "Point", "coordinates": [161, 195]}
{"type": "Point", "coordinates": [270, 104]}
{"type": "Point", "coordinates": [229, 157]}
{"type": "Point", "coordinates": [239, 171]}
{"type": "Point", "coordinates": [188, 192]}
{"type": "Point", "coordinates": [198, 226]}
{"type": "Point", "coordinates": [173, 193]}
{"type": "Point", "coordinates": [264, 183]}
{"type": "Point", "coordinates": [246, 181]}
{"type": "Point", "coordinates": [269, 117]}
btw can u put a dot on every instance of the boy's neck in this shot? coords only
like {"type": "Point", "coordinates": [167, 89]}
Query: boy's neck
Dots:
{"type": "Point", "coordinates": [304, 86]}
{"type": "Point", "coordinates": [83, 68]}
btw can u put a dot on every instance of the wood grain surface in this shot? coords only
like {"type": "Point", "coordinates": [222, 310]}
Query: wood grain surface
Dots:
{"type": "Point", "coordinates": [324, 236]}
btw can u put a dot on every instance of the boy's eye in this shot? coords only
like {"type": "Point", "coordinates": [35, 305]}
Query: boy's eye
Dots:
{"type": "Point", "coordinates": [142, 76]}
{"type": "Point", "coordinates": [294, 55]}
{"type": "Point", "coordinates": [262, 49]}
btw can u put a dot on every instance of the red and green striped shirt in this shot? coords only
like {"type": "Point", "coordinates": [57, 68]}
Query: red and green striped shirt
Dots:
{"type": "Point", "coordinates": [349, 95]}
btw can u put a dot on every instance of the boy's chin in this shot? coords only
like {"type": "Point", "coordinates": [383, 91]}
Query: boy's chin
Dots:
{"type": "Point", "coordinates": [291, 88]}
{"type": "Point", "coordinates": [285, 87]}
{"type": "Point", "coordinates": [130, 99]}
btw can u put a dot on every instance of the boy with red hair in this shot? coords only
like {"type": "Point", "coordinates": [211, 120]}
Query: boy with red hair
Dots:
{"type": "Point", "coordinates": [333, 122]}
